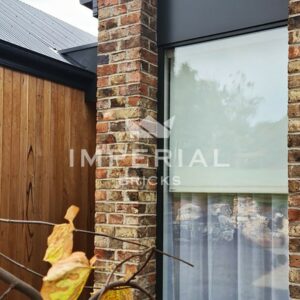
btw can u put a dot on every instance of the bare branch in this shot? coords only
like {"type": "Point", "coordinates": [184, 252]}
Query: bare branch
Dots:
{"type": "Point", "coordinates": [173, 257]}
{"type": "Point", "coordinates": [123, 262]}
{"type": "Point", "coordinates": [108, 236]}
{"type": "Point", "coordinates": [11, 287]}
{"type": "Point", "coordinates": [144, 264]}
{"type": "Point", "coordinates": [20, 285]}
{"type": "Point", "coordinates": [26, 222]}
{"type": "Point", "coordinates": [20, 265]}
{"type": "Point", "coordinates": [95, 234]}
{"type": "Point", "coordinates": [33, 222]}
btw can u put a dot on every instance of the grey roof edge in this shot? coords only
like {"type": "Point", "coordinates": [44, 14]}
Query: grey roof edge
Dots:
{"type": "Point", "coordinates": [78, 48]}
{"type": "Point", "coordinates": [30, 27]}
{"type": "Point", "coordinates": [30, 62]}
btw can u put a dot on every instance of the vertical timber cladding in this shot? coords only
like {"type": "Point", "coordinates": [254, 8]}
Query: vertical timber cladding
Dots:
{"type": "Point", "coordinates": [40, 121]}
{"type": "Point", "coordinates": [294, 147]}
{"type": "Point", "coordinates": [127, 88]}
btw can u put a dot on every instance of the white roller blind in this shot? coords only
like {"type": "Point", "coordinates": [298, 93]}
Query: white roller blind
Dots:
{"type": "Point", "coordinates": [229, 99]}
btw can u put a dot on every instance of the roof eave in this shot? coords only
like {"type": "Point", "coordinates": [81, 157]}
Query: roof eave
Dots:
{"type": "Point", "coordinates": [91, 4]}
{"type": "Point", "coordinates": [33, 63]}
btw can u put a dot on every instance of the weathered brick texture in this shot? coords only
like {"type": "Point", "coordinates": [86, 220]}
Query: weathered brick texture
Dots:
{"type": "Point", "coordinates": [294, 147]}
{"type": "Point", "coordinates": [127, 87]}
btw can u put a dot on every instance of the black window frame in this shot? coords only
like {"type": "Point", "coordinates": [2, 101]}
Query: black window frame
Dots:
{"type": "Point", "coordinates": [163, 95]}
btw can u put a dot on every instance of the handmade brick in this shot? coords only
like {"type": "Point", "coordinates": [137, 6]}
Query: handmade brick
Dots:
{"type": "Point", "coordinates": [294, 8]}
{"type": "Point", "coordinates": [115, 219]}
{"type": "Point", "coordinates": [127, 86]}
{"type": "Point", "coordinates": [294, 215]}
{"type": "Point", "coordinates": [294, 201]}
{"type": "Point", "coordinates": [102, 127]}
{"type": "Point", "coordinates": [294, 245]}
{"type": "Point", "coordinates": [294, 22]}
{"type": "Point", "coordinates": [106, 70]}
{"type": "Point", "coordinates": [131, 18]}
{"type": "Point", "coordinates": [294, 37]}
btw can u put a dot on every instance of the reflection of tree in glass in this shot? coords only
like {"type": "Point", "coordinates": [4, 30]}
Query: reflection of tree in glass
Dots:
{"type": "Point", "coordinates": [227, 113]}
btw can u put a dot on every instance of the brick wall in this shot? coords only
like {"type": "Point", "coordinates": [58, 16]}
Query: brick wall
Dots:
{"type": "Point", "coordinates": [294, 147]}
{"type": "Point", "coordinates": [127, 88]}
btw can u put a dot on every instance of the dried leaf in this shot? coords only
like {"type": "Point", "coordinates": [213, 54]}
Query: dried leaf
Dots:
{"type": "Point", "coordinates": [118, 294]}
{"type": "Point", "coordinates": [60, 242]}
{"type": "Point", "coordinates": [93, 260]}
{"type": "Point", "coordinates": [66, 279]}
{"type": "Point", "coordinates": [71, 213]}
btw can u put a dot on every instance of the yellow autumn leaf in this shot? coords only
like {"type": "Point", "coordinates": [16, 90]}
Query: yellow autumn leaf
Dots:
{"type": "Point", "coordinates": [66, 279]}
{"type": "Point", "coordinates": [71, 213]}
{"type": "Point", "coordinates": [118, 294]}
{"type": "Point", "coordinates": [60, 242]}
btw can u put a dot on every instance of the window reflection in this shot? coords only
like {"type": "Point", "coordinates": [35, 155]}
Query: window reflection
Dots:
{"type": "Point", "coordinates": [228, 95]}
{"type": "Point", "coordinates": [238, 244]}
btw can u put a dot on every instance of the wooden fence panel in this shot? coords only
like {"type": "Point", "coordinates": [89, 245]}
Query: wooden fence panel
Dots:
{"type": "Point", "coordinates": [40, 121]}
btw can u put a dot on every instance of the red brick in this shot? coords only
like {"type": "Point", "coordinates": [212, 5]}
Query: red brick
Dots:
{"type": "Point", "coordinates": [102, 127]}
{"type": "Point", "coordinates": [134, 101]}
{"type": "Point", "coordinates": [100, 218]}
{"type": "Point", "coordinates": [100, 195]}
{"type": "Point", "coordinates": [134, 76]}
{"type": "Point", "coordinates": [104, 254]}
{"type": "Point", "coordinates": [102, 3]}
{"type": "Point", "coordinates": [107, 47]}
{"type": "Point", "coordinates": [115, 219]}
{"type": "Point", "coordinates": [107, 70]}
{"type": "Point", "coordinates": [101, 173]}
{"type": "Point", "coordinates": [125, 161]}
{"type": "Point", "coordinates": [131, 18]}
{"type": "Point", "coordinates": [294, 215]}
{"type": "Point", "coordinates": [295, 261]}
{"type": "Point", "coordinates": [127, 87]}
{"type": "Point", "coordinates": [119, 10]}
{"type": "Point", "coordinates": [102, 81]}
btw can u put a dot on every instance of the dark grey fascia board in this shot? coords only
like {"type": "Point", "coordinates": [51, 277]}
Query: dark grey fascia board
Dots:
{"type": "Point", "coordinates": [95, 8]}
{"type": "Point", "coordinates": [33, 63]}
{"type": "Point", "coordinates": [92, 4]}
{"type": "Point", "coordinates": [189, 20]}
{"type": "Point", "coordinates": [87, 3]}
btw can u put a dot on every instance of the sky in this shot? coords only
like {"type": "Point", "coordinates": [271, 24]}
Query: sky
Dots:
{"type": "Point", "coordinates": [70, 11]}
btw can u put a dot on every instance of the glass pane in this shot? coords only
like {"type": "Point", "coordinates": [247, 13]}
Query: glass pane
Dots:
{"type": "Point", "coordinates": [229, 100]}
{"type": "Point", "coordinates": [238, 244]}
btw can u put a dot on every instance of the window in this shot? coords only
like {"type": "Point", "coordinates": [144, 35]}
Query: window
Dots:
{"type": "Point", "coordinates": [226, 208]}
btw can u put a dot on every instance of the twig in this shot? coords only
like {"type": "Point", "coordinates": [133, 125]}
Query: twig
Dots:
{"type": "Point", "coordinates": [33, 222]}
{"type": "Point", "coordinates": [20, 265]}
{"type": "Point", "coordinates": [26, 222]}
{"type": "Point", "coordinates": [108, 236]}
{"type": "Point", "coordinates": [128, 282]}
{"type": "Point", "coordinates": [20, 285]}
{"type": "Point", "coordinates": [123, 262]}
{"type": "Point", "coordinates": [173, 257]}
{"type": "Point", "coordinates": [120, 284]}
{"type": "Point", "coordinates": [151, 250]}
{"type": "Point", "coordinates": [10, 288]}
{"type": "Point", "coordinates": [95, 234]}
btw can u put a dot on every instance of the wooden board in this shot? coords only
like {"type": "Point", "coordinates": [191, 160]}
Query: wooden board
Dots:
{"type": "Point", "coordinates": [40, 121]}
